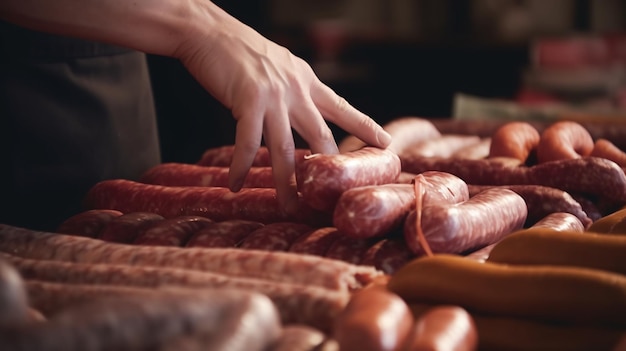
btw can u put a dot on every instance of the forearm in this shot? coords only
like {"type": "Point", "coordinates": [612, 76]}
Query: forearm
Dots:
{"type": "Point", "coordinates": [153, 26]}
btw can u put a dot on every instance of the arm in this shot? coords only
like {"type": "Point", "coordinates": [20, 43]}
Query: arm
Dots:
{"type": "Point", "coordinates": [269, 90]}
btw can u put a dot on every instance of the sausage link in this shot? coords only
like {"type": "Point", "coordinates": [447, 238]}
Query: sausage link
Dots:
{"type": "Point", "coordinates": [275, 236]}
{"type": "Point", "coordinates": [223, 234]}
{"type": "Point", "coordinates": [127, 227]}
{"type": "Point", "coordinates": [172, 231]}
{"type": "Point", "coordinates": [183, 174]}
{"type": "Point", "coordinates": [88, 223]}
{"type": "Point", "coordinates": [222, 156]}
{"type": "Point", "coordinates": [564, 140]}
{"type": "Point", "coordinates": [516, 139]}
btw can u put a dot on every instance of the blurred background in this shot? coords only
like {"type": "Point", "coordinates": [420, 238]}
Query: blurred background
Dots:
{"type": "Point", "coordinates": [393, 58]}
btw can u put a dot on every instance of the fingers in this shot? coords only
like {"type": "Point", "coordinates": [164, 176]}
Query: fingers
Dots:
{"type": "Point", "coordinates": [312, 127]}
{"type": "Point", "coordinates": [337, 110]}
{"type": "Point", "coordinates": [247, 142]}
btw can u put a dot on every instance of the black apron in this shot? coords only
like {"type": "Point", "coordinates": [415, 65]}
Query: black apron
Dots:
{"type": "Point", "coordinates": [72, 113]}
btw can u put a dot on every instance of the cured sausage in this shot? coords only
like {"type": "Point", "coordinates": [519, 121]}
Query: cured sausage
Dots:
{"type": "Point", "coordinates": [564, 140]}
{"type": "Point", "coordinates": [216, 203]}
{"type": "Point", "coordinates": [183, 174]}
{"type": "Point", "coordinates": [323, 178]}
{"type": "Point", "coordinates": [542, 201]}
{"type": "Point", "coordinates": [127, 227]}
{"type": "Point", "coordinates": [172, 231]}
{"type": "Point", "coordinates": [275, 236]}
{"type": "Point", "coordinates": [274, 266]}
{"type": "Point", "coordinates": [377, 210]}
{"type": "Point", "coordinates": [516, 139]}
{"type": "Point", "coordinates": [222, 156]}
{"type": "Point", "coordinates": [223, 234]}
{"type": "Point", "coordinates": [374, 319]}
{"type": "Point", "coordinates": [606, 149]}
{"type": "Point", "coordinates": [482, 220]}
{"type": "Point", "coordinates": [405, 132]}
{"type": "Point", "coordinates": [88, 223]}
{"type": "Point", "coordinates": [316, 242]}
{"type": "Point", "coordinates": [444, 328]}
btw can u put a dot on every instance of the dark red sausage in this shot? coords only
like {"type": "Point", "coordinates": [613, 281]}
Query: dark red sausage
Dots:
{"type": "Point", "coordinates": [88, 223]}
{"type": "Point", "coordinates": [172, 231]}
{"type": "Point", "coordinates": [183, 174]}
{"type": "Point", "coordinates": [222, 156]}
{"type": "Point", "coordinates": [349, 249]}
{"type": "Point", "coordinates": [127, 227]}
{"type": "Point", "coordinates": [561, 221]}
{"type": "Point", "coordinates": [223, 234]}
{"type": "Point", "coordinates": [216, 203]}
{"type": "Point", "coordinates": [323, 178]}
{"type": "Point", "coordinates": [388, 255]}
{"type": "Point", "coordinates": [316, 242]}
{"type": "Point", "coordinates": [275, 236]}
{"type": "Point", "coordinates": [482, 220]}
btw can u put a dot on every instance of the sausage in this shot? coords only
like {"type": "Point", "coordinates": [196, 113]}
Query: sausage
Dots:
{"type": "Point", "coordinates": [541, 292]}
{"type": "Point", "coordinates": [222, 156]}
{"type": "Point", "coordinates": [275, 236]}
{"type": "Point", "coordinates": [127, 227]}
{"type": "Point", "coordinates": [316, 242]}
{"type": "Point", "coordinates": [606, 149]}
{"type": "Point", "coordinates": [223, 234]}
{"type": "Point", "coordinates": [296, 303]}
{"type": "Point", "coordinates": [497, 333]}
{"type": "Point", "coordinates": [14, 308]}
{"type": "Point", "coordinates": [377, 210]}
{"type": "Point", "coordinates": [183, 174]}
{"type": "Point", "coordinates": [172, 231]}
{"type": "Point", "coordinates": [349, 249]}
{"type": "Point", "coordinates": [444, 328]}
{"type": "Point", "coordinates": [517, 139]}
{"type": "Point", "coordinates": [443, 146]}
{"type": "Point", "coordinates": [561, 221]}
{"type": "Point", "coordinates": [482, 220]}
{"type": "Point", "coordinates": [388, 254]}
{"type": "Point", "coordinates": [323, 178]}
{"type": "Point", "coordinates": [542, 201]}
{"type": "Point", "coordinates": [405, 132]}
{"type": "Point", "coordinates": [299, 338]}
{"type": "Point", "coordinates": [564, 140]}
{"type": "Point", "coordinates": [548, 246]}
{"type": "Point", "coordinates": [88, 223]}
{"type": "Point", "coordinates": [216, 203]}
{"type": "Point", "coordinates": [476, 151]}
{"type": "Point", "coordinates": [374, 319]}
{"type": "Point", "coordinates": [274, 266]}
{"type": "Point", "coordinates": [145, 319]}
{"type": "Point", "coordinates": [606, 223]}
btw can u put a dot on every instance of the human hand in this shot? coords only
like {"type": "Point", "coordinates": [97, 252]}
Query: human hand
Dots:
{"type": "Point", "coordinates": [270, 92]}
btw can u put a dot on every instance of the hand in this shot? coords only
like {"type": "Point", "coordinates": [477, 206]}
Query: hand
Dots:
{"type": "Point", "coordinates": [269, 91]}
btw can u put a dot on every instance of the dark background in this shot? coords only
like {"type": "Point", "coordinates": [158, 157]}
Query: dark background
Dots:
{"type": "Point", "coordinates": [394, 75]}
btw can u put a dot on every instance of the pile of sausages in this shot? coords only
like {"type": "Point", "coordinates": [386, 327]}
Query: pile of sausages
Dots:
{"type": "Point", "coordinates": [364, 215]}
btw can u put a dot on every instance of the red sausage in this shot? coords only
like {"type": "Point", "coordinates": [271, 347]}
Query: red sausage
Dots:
{"type": "Point", "coordinates": [444, 328]}
{"type": "Point", "coordinates": [183, 174]}
{"type": "Point", "coordinates": [514, 139]}
{"type": "Point", "coordinates": [564, 140]}
{"type": "Point", "coordinates": [222, 156]}
{"type": "Point", "coordinates": [323, 178]}
{"type": "Point", "coordinates": [561, 221]}
{"type": "Point", "coordinates": [88, 223]}
{"type": "Point", "coordinates": [349, 249]}
{"type": "Point", "coordinates": [606, 149]}
{"type": "Point", "coordinates": [223, 234]}
{"type": "Point", "coordinates": [443, 146]}
{"type": "Point", "coordinates": [376, 210]}
{"type": "Point", "coordinates": [474, 151]}
{"type": "Point", "coordinates": [482, 220]}
{"type": "Point", "coordinates": [275, 236]}
{"type": "Point", "coordinates": [172, 231]}
{"type": "Point", "coordinates": [127, 227]}
{"type": "Point", "coordinates": [216, 203]}
{"type": "Point", "coordinates": [388, 255]}
{"type": "Point", "coordinates": [316, 242]}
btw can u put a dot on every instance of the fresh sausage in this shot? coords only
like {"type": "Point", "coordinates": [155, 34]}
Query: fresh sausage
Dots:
{"type": "Point", "coordinates": [223, 234]}
{"type": "Point", "coordinates": [377, 210]}
{"type": "Point", "coordinates": [349, 249]}
{"type": "Point", "coordinates": [222, 156]}
{"type": "Point", "coordinates": [316, 242]}
{"type": "Point", "coordinates": [476, 151]}
{"type": "Point", "coordinates": [183, 174]}
{"type": "Point", "coordinates": [443, 146]}
{"type": "Point", "coordinates": [564, 140]}
{"type": "Point", "coordinates": [482, 220]}
{"type": "Point", "coordinates": [172, 231]}
{"type": "Point", "coordinates": [323, 178]}
{"type": "Point", "coordinates": [561, 221]}
{"type": "Point", "coordinates": [216, 203]}
{"type": "Point", "coordinates": [274, 266]}
{"type": "Point", "coordinates": [275, 236]}
{"type": "Point", "coordinates": [127, 227]}
{"type": "Point", "coordinates": [388, 255]}
{"type": "Point", "coordinates": [374, 319]}
{"type": "Point", "coordinates": [606, 149]}
{"type": "Point", "coordinates": [444, 328]}
{"type": "Point", "coordinates": [514, 139]}
{"type": "Point", "coordinates": [88, 223]}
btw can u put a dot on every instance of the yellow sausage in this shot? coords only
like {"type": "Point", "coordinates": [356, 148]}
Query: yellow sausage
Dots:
{"type": "Point", "coordinates": [517, 334]}
{"type": "Point", "coordinates": [607, 223]}
{"type": "Point", "coordinates": [562, 248]}
{"type": "Point", "coordinates": [569, 295]}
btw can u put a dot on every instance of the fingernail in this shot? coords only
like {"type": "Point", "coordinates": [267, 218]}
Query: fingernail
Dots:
{"type": "Point", "coordinates": [384, 138]}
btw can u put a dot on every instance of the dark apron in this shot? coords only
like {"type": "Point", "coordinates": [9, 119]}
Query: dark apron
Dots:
{"type": "Point", "coordinates": [72, 113]}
